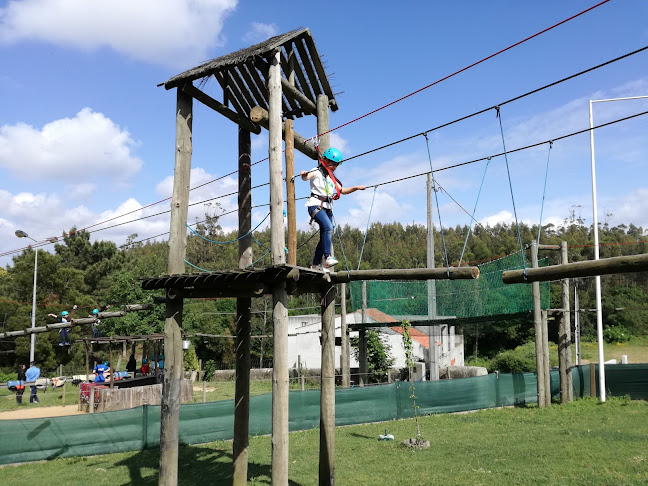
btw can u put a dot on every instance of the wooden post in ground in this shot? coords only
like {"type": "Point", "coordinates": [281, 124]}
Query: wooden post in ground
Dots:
{"type": "Point", "coordinates": [323, 122]}
{"type": "Point", "coordinates": [87, 361]}
{"type": "Point", "coordinates": [545, 351]}
{"type": "Point", "coordinates": [363, 367]}
{"type": "Point", "coordinates": [279, 295]}
{"type": "Point", "coordinates": [290, 194]}
{"type": "Point", "coordinates": [564, 337]}
{"type": "Point", "coordinates": [537, 326]}
{"type": "Point", "coordinates": [327, 393]}
{"type": "Point", "coordinates": [592, 368]}
{"type": "Point", "coordinates": [243, 318]}
{"type": "Point", "coordinates": [345, 355]}
{"type": "Point", "coordinates": [110, 364]}
{"type": "Point", "coordinates": [170, 409]}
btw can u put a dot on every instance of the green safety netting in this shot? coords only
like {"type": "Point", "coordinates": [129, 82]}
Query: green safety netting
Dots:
{"type": "Point", "coordinates": [139, 428]}
{"type": "Point", "coordinates": [483, 297]}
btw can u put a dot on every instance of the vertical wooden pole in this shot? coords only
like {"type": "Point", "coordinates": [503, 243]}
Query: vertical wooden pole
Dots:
{"type": "Point", "coordinates": [577, 341]}
{"type": "Point", "coordinates": [290, 193]}
{"type": "Point", "coordinates": [323, 122]}
{"type": "Point", "coordinates": [170, 409]}
{"type": "Point", "coordinates": [345, 355]}
{"type": "Point", "coordinates": [204, 391]}
{"type": "Point", "coordinates": [363, 367]}
{"type": "Point", "coordinates": [431, 284]}
{"type": "Point", "coordinates": [279, 295]}
{"type": "Point", "coordinates": [327, 393]}
{"type": "Point", "coordinates": [537, 325]}
{"type": "Point", "coordinates": [110, 363]}
{"type": "Point", "coordinates": [64, 386]}
{"type": "Point", "coordinates": [545, 351]}
{"type": "Point", "coordinates": [592, 368]}
{"type": "Point", "coordinates": [243, 318]}
{"type": "Point", "coordinates": [564, 336]}
{"type": "Point", "coordinates": [87, 357]}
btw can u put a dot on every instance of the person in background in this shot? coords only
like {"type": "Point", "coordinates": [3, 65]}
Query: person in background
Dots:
{"type": "Point", "coordinates": [160, 363]}
{"type": "Point", "coordinates": [99, 371]}
{"type": "Point", "coordinates": [32, 374]}
{"type": "Point", "coordinates": [145, 366]}
{"type": "Point", "coordinates": [20, 389]}
{"type": "Point", "coordinates": [64, 334]}
{"type": "Point", "coordinates": [131, 366]}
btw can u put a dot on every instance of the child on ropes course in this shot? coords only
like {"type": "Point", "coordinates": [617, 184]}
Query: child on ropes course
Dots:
{"type": "Point", "coordinates": [325, 188]}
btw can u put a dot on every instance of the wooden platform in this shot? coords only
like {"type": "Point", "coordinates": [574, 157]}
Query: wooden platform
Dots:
{"type": "Point", "coordinates": [257, 282]}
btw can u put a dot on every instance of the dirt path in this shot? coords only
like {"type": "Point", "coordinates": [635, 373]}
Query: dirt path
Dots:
{"type": "Point", "coordinates": [27, 412]}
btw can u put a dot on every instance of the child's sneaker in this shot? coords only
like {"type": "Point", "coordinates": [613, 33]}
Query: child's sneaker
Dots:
{"type": "Point", "coordinates": [330, 262]}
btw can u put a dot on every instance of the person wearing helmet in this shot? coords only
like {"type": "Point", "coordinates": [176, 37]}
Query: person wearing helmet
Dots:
{"type": "Point", "coordinates": [96, 331]}
{"type": "Point", "coordinates": [64, 334]}
{"type": "Point", "coordinates": [99, 371]}
{"type": "Point", "coordinates": [325, 188]}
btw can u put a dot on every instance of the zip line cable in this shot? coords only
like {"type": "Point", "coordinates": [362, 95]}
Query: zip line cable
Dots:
{"type": "Point", "coordinates": [562, 137]}
{"type": "Point", "coordinates": [463, 69]}
{"type": "Point", "coordinates": [544, 192]}
{"type": "Point", "coordinates": [472, 217]}
{"type": "Point", "coordinates": [436, 198]}
{"type": "Point", "coordinates": [508, 172]}
{"type": "Point", "coordinates": [466, 117]}
{"type": "Point", "coordinates": [45, 242]}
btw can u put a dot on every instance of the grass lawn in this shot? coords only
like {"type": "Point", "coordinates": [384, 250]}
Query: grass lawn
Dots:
{"type": "Point", "coordinates": [582, 443]}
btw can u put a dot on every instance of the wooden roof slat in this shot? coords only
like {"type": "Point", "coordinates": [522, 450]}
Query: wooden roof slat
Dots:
{"type": "Point", "coordinates": [232, 93]}
{"type": "Point", "coordinates": [300, 80]}
{"type": "Point", "coordinates": [315, 58]}
{"type": "Point", "coordinates": [252, 85]}
{"type": "Point", "coordinates": [242, 92]}
{"type": "Point", "coordinates": [260, 80]}
{"type": "Point", "coordinates": [306, 62]}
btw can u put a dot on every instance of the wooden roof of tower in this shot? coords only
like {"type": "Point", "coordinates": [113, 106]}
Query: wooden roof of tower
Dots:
{"type": "Point", "coordinates": [243, 75]}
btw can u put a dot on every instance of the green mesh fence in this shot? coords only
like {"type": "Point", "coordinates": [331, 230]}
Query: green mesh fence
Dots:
{"type": "Point", "coordinates": [483, 297]}
{"type": "Point", "coordinates": [139, 428]}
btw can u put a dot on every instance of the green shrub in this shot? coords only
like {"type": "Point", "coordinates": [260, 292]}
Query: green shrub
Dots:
{"type": "Point", "coordinates": [616, 334]}
{"type": "Point", "coordinates": [519, 360]}
{"type": "Point", "coordinates": [191, 359]}
{"type": "Point", "coordinates": [5, 377]}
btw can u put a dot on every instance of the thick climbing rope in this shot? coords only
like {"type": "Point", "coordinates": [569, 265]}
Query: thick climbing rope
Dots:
{"type": "Point", "coordinates": [230, 241]}
{"type": "Point", "coordinates": [436, 198]}
{"type": "Point", "coordinates": [544, 193]}
{"type": "Point", "coordinates": [499, 117]}
{"type": "Point", "coordinates": [472, 218]}
{"type": "Point", "coordinates": [367, 230]}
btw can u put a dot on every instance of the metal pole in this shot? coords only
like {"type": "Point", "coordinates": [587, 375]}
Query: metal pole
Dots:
{"type": "Point", "coordinates": [577, 326]}
{"type": "Point", "coordinates": [33, 316]}
{"type": "Point", "coordinates": [599, 312]}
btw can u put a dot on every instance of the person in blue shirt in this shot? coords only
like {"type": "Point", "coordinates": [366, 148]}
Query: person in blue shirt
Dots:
{"type": "Point", "coordinates": [160, 363]}
{"type": "Point", "coordinates": [32, 374]}
{"type": "Point", "coordinates": [99, 371]}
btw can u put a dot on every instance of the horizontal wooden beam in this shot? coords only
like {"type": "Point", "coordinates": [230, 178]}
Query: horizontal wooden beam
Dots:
{"type": "Point", "coordinates": [219, 107]}
{"type": "Point", "coordinates": [307, 105]}
{"type": "Point", "coordinates": [452, 273]}
{"type": "Point", "coordinates": [260, 116]}
{"type": "Point", "coordinates": [77, 322]}
{"type": "Point", "coordinates": [589, 268]}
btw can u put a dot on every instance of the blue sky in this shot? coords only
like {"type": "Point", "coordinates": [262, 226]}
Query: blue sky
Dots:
{"type": "Point", "coordinates": [86, 135]}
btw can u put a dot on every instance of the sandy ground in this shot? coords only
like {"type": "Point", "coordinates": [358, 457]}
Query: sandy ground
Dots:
{"type": "Point", "coordinates": [27, 412]}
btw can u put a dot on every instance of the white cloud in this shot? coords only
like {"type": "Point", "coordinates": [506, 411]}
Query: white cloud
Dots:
{"type": "Point", "coordinates": [339, 142]}
{"type": "Point", "coordinates": [169, 32]}
{"type": "Point", "coordinates": [72, 149]}
{"type": "Point", "coordinates": [260, 32]}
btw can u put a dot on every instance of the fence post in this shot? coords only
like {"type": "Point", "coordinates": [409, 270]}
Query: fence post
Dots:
{"type": "Point", "coordinates": [204, 390]}
{"type": "Point", "coordinates": [63, 400]}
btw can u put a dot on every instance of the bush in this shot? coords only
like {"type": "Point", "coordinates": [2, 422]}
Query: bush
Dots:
{"type": "Point", "coordinates": [519, 360]}
{"type": "Point", "coordinates": [616, 334]}
{"type": "Point", "coordinates": [191, 359]}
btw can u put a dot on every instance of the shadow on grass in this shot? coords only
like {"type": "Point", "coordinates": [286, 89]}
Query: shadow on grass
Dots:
{"type": "Point", "coordinates": [362, 436]}
{"type": "Point", "coordinates": [196, 466]}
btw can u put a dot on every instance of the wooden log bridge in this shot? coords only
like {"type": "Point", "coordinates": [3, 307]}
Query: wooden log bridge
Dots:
{"type": "Point", "coordinates": [589, 268]}
{"type": "Point", "coordinates": [451, 273]}
{"type": "Point", "coordinates": [78, 322]}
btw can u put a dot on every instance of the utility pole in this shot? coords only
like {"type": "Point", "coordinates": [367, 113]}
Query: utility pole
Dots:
{"type": "Point", "coordinates": [537, 325]}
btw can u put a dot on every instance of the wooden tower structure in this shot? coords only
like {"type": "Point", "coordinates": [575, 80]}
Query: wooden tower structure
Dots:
{"type": "Point", "coordinates": [266, 85]}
